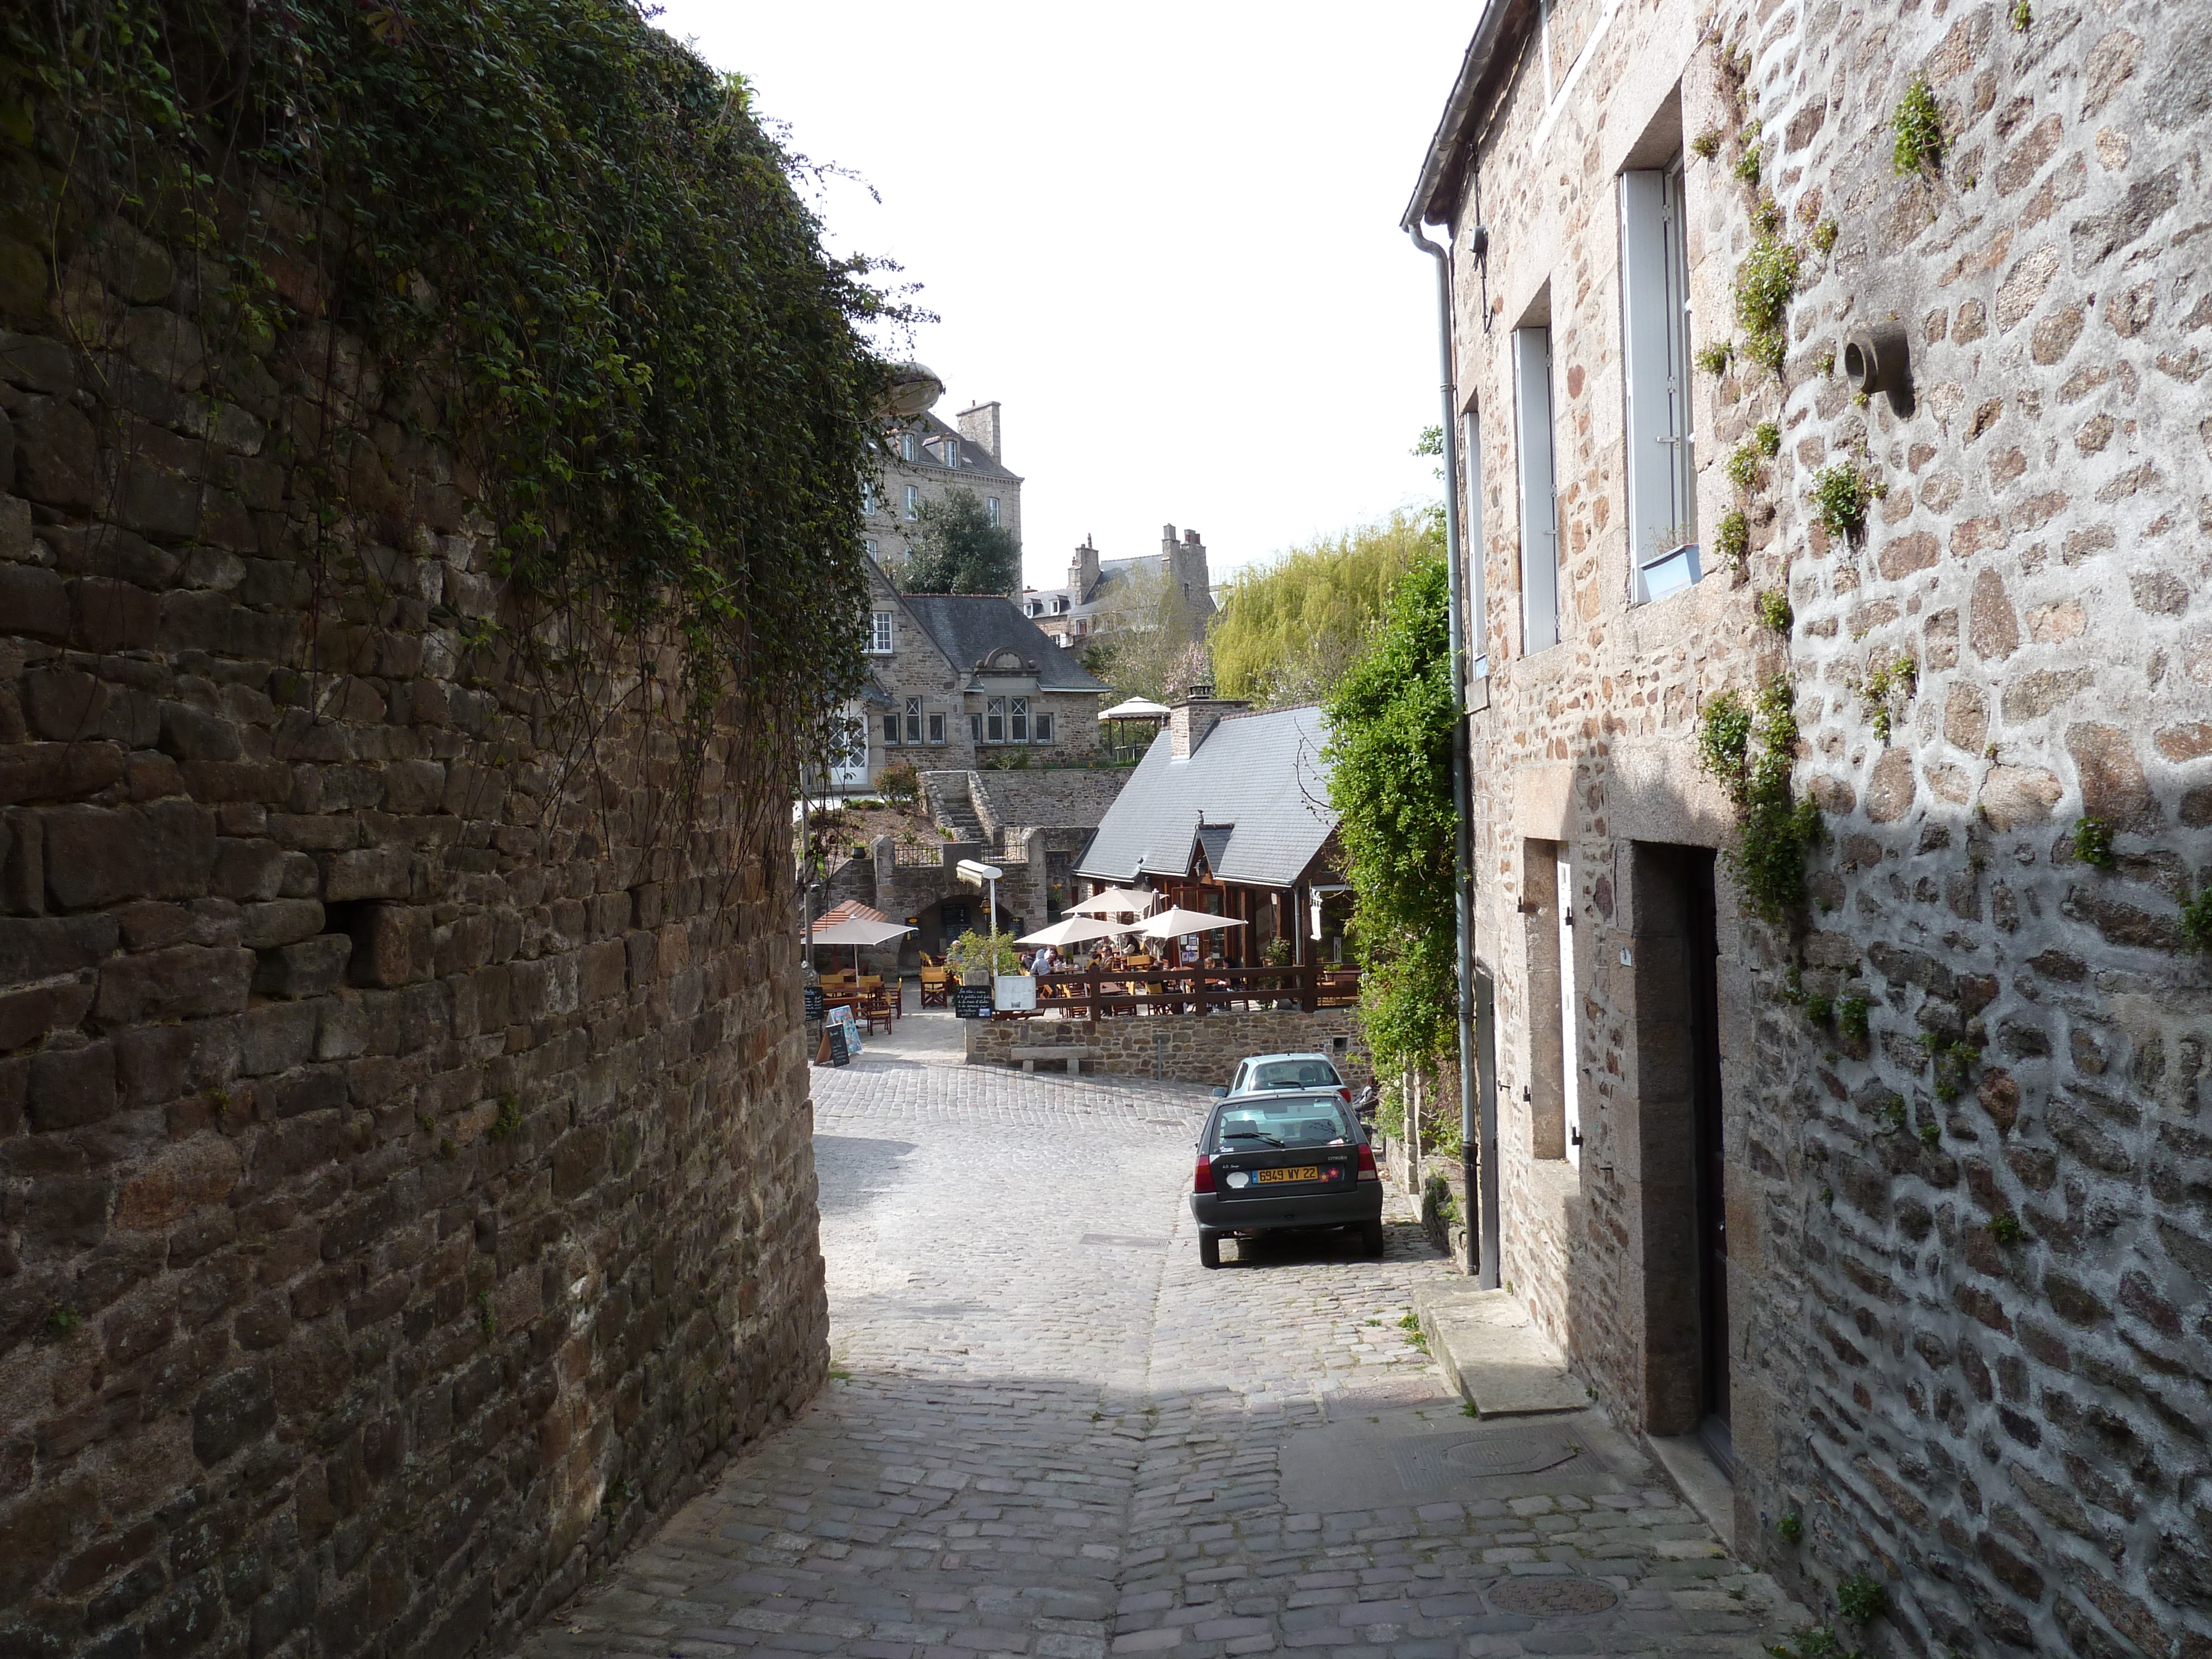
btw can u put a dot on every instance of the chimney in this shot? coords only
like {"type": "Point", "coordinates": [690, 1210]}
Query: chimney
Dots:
{"type": "Point", "coordinates": [1194, 714]}
{"type": "Point", "coordinates": [980, 426]}
{"type": "Point", "coordinates": [1083, 572]}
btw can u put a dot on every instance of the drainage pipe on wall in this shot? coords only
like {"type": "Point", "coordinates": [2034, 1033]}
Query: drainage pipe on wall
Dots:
{"type": "Point", "coordinates": [1480, 1171]}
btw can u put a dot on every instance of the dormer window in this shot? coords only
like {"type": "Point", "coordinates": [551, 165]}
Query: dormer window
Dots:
{"type": "Point", "coordinates": [908, 447]}
{"type": "Point", "coordinates": [952, 451]}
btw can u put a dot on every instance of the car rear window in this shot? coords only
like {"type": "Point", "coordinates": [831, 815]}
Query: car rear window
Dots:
{"type": "Point", "coordinates": [1293, 1074]}
{"type": "Point", "coordinates": [1258, 1124]}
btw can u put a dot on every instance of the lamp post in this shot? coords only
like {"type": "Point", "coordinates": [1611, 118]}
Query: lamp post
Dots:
{"type": "Point", "coordinates": [982, 874]}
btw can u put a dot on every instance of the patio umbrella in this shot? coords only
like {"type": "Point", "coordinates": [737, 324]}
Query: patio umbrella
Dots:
{"type": "Point", "coordinates": [1178, 922]}
{"type": "Point", "coordinates": [1114, 902]}
{"type": "Point", "coordinates": [1075, 930]}
{"type": "Point", "coordinates": [1137, 708]}
{"type": "Point", "coordinates": [856, 930]}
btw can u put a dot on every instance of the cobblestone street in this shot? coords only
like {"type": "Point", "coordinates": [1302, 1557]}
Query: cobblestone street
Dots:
{"type": "Point", "coordinates": [1049, 1431]}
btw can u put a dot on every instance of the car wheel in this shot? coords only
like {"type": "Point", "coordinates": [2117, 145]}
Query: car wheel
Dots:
{"type": "Point", "coordinates": [1209, 1249]}
{"type": "Point", "coordinates": [1370, 1237]}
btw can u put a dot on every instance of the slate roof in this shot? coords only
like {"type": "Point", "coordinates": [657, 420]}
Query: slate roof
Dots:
{"type": "Point", "coordinates": [969, 627]}
{"type": "Point", "coordinates": [1256, 785]}
{"type": "Point", "coordinates": [934, 433]}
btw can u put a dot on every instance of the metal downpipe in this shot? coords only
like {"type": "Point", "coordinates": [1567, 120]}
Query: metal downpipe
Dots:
{"type": "Point", "coordinates": [1477, 1173]}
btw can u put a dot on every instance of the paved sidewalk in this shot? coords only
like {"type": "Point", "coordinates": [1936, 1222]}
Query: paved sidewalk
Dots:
{"type": "Point", "coordinates": [1050, 1432]}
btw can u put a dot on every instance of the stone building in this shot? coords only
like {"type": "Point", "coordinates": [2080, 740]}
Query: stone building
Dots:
{"type": "Point", "coordinates": [960, 680]}
{"type": "Point", "coordinates": [925, 458]}
{"type": "Point", "coordinates": [1895, 1203]}
{"type": "Point", "coordinates": [1096, 588]}
{"type": "Point", "coordinates": [1033, 824]}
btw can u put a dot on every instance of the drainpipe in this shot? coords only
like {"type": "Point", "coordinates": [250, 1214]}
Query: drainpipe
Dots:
{"type": "Point", "coordinates": [1475, 1167]}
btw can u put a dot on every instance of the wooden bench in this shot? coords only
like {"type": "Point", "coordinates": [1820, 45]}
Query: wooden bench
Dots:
{"type": "Point", "coordinates": [1074, 1054]}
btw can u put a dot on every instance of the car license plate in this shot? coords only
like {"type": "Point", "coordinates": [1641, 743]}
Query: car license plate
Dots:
{"type": "Point", "coordinates": [1269, 1178]}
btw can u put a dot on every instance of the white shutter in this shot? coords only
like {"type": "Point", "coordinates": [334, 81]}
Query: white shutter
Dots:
{"type": "Point", "coordinates": [1477, 550]}
{"type": "Point", "coordinates": [1540, 507]}
{"type": "Point", "coordinates": [1652, 514]}
{"type": "Point", "coordinates": [1662, 502]}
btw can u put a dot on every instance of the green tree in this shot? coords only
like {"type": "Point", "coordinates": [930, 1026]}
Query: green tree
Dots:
{"type": "Point", "coordinates": [957, 549]}
{"type": "Point", "coordinates": [1391, 729]}
{"type": "Point", "coordinates": [1149, 643]}
{"type": "Point", "coordinates": [1287, 632]}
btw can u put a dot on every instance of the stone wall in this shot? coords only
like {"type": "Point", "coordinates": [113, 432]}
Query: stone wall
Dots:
{"type": "Point", "coordinates": [1189, 1048]}
{"type": "Point", "coordinates": [1965, 1289]}
{"type": "Point", "coordinates": [406, 1191]}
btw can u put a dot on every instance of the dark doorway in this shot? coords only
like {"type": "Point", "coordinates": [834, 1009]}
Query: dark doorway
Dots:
{"type": "Point", "coordinates": [1704, 960]}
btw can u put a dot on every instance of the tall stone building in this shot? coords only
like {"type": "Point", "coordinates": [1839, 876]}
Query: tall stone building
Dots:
{"type": "Point", "coordinates": [1842, 368]}
{"type": "Point", "coordinates": [926, 459]}
{"type": "Point", "coordinates": [1098, 588]}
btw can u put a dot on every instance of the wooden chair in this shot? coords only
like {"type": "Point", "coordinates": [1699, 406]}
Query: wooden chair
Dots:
{"type": "Point", "coordinates": [871, 982]}
{"type": "Point", "coordinates": [936, 988]}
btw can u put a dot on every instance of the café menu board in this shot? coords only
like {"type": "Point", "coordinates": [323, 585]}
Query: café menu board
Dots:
{"type": "Point", "coordinates": [813, 1001]}
{"type": "Point", "coordinates": [971, 1002]}
{"type": "Point", "coordinates": [833, 1038]}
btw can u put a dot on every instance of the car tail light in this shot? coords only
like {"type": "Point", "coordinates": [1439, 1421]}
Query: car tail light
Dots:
{"type": "Point", "coordinates": [1345, 1095]}
{"type": "Point", "coordinates": [1367, 1170]}
{"type": "Point", "coordinates": [1203, 1180]}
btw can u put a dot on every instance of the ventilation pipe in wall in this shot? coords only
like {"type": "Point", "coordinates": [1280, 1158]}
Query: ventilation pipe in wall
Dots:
{"type": "Point", "coordinates": [1480, 1170]}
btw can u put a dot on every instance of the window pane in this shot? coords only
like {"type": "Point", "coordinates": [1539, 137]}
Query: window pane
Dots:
{"type": "Point", "coordinates": [975, 728]}
{"type": "Point", "coordinates": [936, 728]}
{"type": "Point", "coordinates": [991, 507]}
{"type": "Point", "coordinates": [913, 501]}
{"type": "Point", "coordinates": [1044, 728]}
{"type": "Point", "coordinates": [891, 728]}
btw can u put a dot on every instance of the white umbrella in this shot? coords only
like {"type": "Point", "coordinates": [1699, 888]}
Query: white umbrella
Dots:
{"type": "Point", "coordinates": [1137, 708]}
{"type": "Point", "coordinates": [1114, 902]}
{"type": "Point", "coordinates": [1178, 922]}
{"type": "Point", "coordinates": [1075, 930]}
{"type": "Point", "coordinates": [857, 931]}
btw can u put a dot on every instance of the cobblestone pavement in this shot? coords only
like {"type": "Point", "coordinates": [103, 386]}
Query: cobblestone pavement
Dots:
{"type": "Point", "coordinates": [1049, 1432]}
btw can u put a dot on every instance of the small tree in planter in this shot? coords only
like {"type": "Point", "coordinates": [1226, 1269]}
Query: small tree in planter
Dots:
{"type": "Point", "coordinates": [1277, 953]}
{"type": "Point", "coordinates": [978, 957]}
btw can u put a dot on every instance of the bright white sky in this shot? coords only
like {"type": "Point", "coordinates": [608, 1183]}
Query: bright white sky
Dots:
{"type": "Point", "coordinates": [1164, 236]}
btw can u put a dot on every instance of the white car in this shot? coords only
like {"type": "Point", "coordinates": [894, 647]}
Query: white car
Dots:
{"type": "Point", "coordinates": [1264, 1074]}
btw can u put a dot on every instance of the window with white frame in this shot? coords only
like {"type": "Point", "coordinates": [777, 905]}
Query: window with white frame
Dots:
{"type": "Point", "coordinates": [867, 497]}
{"type": "Point", "coordinates": [1476, 552]}
{"type": "Point", "coordinates": [913, 719]}
{"type": "Point", "coordinates": [1655, 305]}
{"type": "Point", "coordinates": [879, 634]}
{"type": "Point", "coordinates": [952, 451]}
{"type": "Point", "coordinates": [913, 501]}
{"type": "Point", "coordinates": [991, 508]}
{"type": "Point", "coordinates": [1044, 728]}
{"type": "Point", "coordinates": [1018, 720]}
{"type": "Point", "coordinates": [1540, 505]}
{"type": "Point", "coordinates": [936, 728]}
{"type": "Point", "coordinates": [907, 446]}
{"type": "Point", "coordinates": [868, 545]}
{"type": "Point", "coordinates": [995, 719]}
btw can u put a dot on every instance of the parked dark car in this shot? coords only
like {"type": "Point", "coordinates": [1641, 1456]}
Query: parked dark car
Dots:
{"type": "Point", "coordinates": [1284, 1162]}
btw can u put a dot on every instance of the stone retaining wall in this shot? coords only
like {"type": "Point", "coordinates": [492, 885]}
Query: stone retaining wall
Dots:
{"type": "Point", "coordinates": [406, 1187]}
{"type": "Point", "coordinates": [1189, 1047]}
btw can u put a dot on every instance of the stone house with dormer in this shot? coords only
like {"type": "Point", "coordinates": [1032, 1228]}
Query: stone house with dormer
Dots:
{"type": "Point", "coordinates": [964, 681]}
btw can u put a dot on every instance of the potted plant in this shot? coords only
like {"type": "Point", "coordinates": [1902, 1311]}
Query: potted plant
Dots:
{"type": "Point", "coordinates": [981, 957]}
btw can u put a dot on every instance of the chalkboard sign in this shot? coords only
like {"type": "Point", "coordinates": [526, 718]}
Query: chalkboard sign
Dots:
{"type": "Point", "coordinates": [813, 1001]}
{"type": "Point", "coordinates": [971, 1002]}
{"type": "Point", "coordinates": [834, 1036]}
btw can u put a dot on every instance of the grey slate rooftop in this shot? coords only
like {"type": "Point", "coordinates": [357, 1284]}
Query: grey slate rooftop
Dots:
{"type": "Point", "coordinates": [1257, 785]}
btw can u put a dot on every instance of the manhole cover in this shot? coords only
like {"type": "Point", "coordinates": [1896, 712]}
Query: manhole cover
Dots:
{"type": "Point", "coordinates": [1427, 1462]}
{"type": "Point", "coordinates": [1551, 1598]}
{"type": "Point", "coordinates": [1499, 1455]}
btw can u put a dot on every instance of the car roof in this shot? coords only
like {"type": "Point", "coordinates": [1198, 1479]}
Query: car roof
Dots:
{"type": "Point", "coordinates": [1261, 1060]}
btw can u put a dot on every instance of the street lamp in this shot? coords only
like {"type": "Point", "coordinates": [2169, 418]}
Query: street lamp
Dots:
{"type": "Point", "coordinates": [971, 870]}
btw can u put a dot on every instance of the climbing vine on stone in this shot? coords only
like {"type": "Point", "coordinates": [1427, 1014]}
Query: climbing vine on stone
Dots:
{"type": "Point", "coordinates": [578, 262]}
